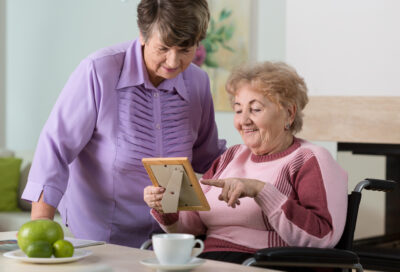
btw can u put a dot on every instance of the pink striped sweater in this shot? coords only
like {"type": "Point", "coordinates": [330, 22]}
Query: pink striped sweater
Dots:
{"type": "Point", "coordinates": [303, 202]}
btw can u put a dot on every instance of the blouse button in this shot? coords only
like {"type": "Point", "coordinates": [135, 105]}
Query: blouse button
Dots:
{"type": "Point", "coordinates": [157, 126]}
{"type": "Point", "coordinates": [155, 94]}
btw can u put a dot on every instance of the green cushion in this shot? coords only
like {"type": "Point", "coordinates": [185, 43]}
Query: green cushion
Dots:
{"type": "Point", "coordinates": [9, 177]}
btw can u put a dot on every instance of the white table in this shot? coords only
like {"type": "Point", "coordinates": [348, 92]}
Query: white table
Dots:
{"type": "Point", "coordinates": [109, 257]}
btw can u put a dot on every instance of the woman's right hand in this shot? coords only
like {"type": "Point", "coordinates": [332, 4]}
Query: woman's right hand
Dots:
{"type": "Point", "coordinates": [152, 195]}
{"type": "Point", "coordinates": [42, 210]}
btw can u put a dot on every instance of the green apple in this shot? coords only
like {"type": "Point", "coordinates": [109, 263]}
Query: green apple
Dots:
{"type": "Point", "coordinates": [39, 230]}
{"type": "Point", "coordinates": [39, 249]}
{"type": "Point", "coordinates": [63, 249]}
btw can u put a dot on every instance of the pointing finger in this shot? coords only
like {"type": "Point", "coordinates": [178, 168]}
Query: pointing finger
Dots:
{"type": "Point", "coordinates": [214, 182]}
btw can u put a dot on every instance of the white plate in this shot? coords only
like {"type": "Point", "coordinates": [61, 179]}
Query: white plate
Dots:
{"type": "Point", "coordinates": [153, 263]}
{"type": "Point", "coordinates": [20, 256]}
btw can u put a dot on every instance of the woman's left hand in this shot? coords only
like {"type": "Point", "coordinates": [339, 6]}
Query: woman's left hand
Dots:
{"type": "Point", "coordinates": [235, 188]}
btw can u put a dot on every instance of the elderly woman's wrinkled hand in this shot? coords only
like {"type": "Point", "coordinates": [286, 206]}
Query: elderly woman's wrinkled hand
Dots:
{"type": "Point", "coordinates": [152, 196]}
{"type": "Point", "coordinates": [235, 188]}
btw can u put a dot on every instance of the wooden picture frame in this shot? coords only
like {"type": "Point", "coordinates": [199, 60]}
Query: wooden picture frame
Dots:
{"type": "Point", "coordinates": [183, 191]}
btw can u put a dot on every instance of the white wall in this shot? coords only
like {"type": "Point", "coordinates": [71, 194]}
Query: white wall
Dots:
{"type": "Point", "coordinates": [352, 48]}
{"type": "Point", "coordinates": [345, 47]}
{"type": "Point", "coordinates": [57, 34]}
{"type": "Point", "coordinates": [271, 30]}
{"type": "Point", "coordinates": [46, 39]}
{"type": "Point", "coordinates": [2, 72]}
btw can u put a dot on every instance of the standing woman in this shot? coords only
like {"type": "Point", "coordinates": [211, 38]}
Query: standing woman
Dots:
{"type": "Point", "coordinates": [139, 99]}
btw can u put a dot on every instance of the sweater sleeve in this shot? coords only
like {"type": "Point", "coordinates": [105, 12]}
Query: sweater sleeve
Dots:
{"type": "Point", "coordinates": [181, 222]}
{"type": "Point", "coordinates": [303, 217]}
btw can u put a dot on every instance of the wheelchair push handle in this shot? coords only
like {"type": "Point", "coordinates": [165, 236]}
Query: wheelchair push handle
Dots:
{"type": "Point", "coordinates": [376, 185]}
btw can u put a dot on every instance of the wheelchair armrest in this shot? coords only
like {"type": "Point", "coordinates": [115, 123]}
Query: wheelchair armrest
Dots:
{"type": "Point", "coordinates": [376, 185]}
{"type": "Point", "coordinates": [303, 255]}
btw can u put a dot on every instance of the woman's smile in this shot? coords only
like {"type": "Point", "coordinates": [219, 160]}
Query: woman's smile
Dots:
{"type": "Point", "coordinates": [249, 130]}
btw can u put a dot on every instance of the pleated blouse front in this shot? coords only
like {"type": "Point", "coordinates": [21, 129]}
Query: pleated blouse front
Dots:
{"type": "Point", "coordinates": [145, 132]}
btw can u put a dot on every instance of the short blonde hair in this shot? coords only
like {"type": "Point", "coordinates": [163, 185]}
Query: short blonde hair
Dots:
{"type": "Point", "coordinates": [277, 81]}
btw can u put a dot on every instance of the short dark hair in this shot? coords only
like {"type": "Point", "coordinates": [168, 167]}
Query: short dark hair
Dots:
{"type": "Point", "coordinates": [181, 23]}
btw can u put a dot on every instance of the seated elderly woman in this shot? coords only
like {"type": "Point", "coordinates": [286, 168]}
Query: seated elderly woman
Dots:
{"type": "Point", "coordinates": [277, 190]}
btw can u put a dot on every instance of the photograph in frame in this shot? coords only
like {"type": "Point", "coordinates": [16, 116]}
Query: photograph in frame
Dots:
{"type": "Point", "coordinates": [176, 175]}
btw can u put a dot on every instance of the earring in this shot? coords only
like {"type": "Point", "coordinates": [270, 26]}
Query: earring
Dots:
{"type": "Point", "coordinates": [287, 126]}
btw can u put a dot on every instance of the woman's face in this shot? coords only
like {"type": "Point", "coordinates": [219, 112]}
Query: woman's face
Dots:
{"type": "Point", "coordinates": [163, 62]}
{"type": "Point", "coordinates": [261, 122]}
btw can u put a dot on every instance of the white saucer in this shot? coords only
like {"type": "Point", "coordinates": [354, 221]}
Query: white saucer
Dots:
{"type": "Point", "coordinates": [20, 256]}
{"type": "Point", "coordinates": [153, 263]}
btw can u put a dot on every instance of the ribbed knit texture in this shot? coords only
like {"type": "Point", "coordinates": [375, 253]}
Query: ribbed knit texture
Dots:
{"type": "Point", "coordinates": [214, 244]}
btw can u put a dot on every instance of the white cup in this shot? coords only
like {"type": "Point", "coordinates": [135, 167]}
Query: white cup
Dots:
{"type": "Point", "coordinates": [175, 248]}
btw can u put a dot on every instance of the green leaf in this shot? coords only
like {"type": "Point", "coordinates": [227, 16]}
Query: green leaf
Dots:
{"type": "Point", "coordinates": [229, 32]}
{"type": "Point", "coordinates": [211, 46]}
{"type": "Point", "coordinates": [210, 62]}
{"type": "Point", "coordinates": [211, 37]}
{"type": "Point", "coordinates": [220, 30]}
{"type": "Point", "coordinates": [207, 45]}
{"type": "Point", "coordinates": [219, 39]}
{"type": "Point", "coordinates": [214, 47]}
{"type": "Point", "coordinates": [224, 14]}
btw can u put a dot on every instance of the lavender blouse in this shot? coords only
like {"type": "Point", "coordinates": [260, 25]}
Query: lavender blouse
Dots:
{"type": "Point", "coordinates": [106, 119]}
